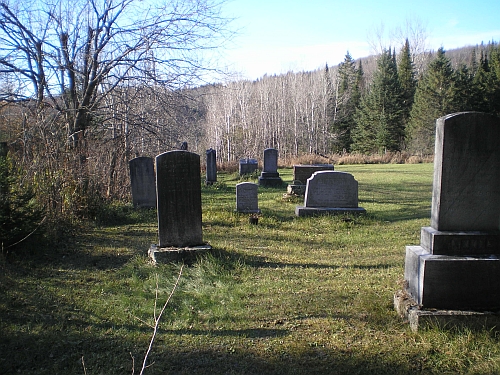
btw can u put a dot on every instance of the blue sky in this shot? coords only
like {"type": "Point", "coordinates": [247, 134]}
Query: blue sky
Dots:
{"type": "Point", "coordinates": [277, 36]}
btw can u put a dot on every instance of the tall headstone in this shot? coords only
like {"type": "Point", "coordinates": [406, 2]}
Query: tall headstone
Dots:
{"type": "Point", "coordinates": [457, 265]}
{"type": "Point", "coordinates": [269, 176]}
{"type": "Point", "coordinates": [178, 183]}
{"type": "Point", "coordinates": [330, 192]}
{"type": "Point", "coordinates": [248, 166]}
{"type": "Point", "coordinates": [211, 167]}
{"type": "Point", "coordinates": [142, 182]}
{"type": "Point", "coordinates": [247, 200]}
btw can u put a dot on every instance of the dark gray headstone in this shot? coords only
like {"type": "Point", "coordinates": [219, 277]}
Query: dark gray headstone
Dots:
{"type": "Point", "coordinates": [211, 167]}
{"type": "Point", "coordinates": [330, 192]}
{"type": "Point", "coordinates": [248, 166]}
{"type": "Point", "coordinates": [247, 200]}
{"type": "Point", "coordinates": [302, 172]}
{"type": "Point", "coordinates": [270, 160]}
{"type": "Point", "coordinates": [142, 182]}
{"type": "Point", "coordinates": [466, 190]}
{"type": "Point", "coordinates": [457, 265]}
{"type": "Point", "coordinates": [178, 183]}
{"type": "Point", "coordinates": [269, 176]}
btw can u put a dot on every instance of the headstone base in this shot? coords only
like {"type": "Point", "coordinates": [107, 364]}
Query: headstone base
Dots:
{"type": "Point", "coordinates": [420, 318]}
{"type": "Point", "coordinates": [175, 254]}
{"type": "Point", "coordinates": [270, 181]}
{"type": "Point", "coordinates": [318, 211]}
{"type": "Point", "coordinates": [460, 243]}
{"type": "Point", "coordinates": [452, 282]}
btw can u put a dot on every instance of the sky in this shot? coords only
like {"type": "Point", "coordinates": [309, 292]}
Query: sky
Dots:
{"type": "Point", "coordinates": [277, 36]}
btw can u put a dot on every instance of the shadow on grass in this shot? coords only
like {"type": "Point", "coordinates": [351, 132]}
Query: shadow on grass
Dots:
{"type": "Point", "coordinates": [51, 353]}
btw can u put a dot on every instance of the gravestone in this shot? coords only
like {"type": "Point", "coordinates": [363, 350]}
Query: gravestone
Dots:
{"type": "Point", "coordinates": [457, 265]}
{"type": "Point", "coordinates": [300, 175]}
{"type": "Point", "coordinates": [330, 192]}
{"type": "Point", "coordinates": [178, 182]}
{"type": "Point", "coordinates": [211, 167]}
{"type": "Point", "coordinates": [142, 182]}
{"type": "Point", "coordinates": [247, 200]}
{"type": "Point", "coordinates": [248, 166]}
{"type": "Point", "coordinates": [269, 176]}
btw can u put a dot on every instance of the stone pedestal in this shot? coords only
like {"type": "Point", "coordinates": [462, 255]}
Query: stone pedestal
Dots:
{"type": "Point", "coordinates": [457, 264]}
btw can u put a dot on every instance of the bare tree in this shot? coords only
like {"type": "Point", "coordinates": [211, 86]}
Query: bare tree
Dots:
{"type": "Point", "coordinates": [72, 54]}
{"type": "Point", "coordinates": [98, 80]}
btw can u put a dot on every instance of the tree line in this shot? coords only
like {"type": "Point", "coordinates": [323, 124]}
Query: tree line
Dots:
{"type": "Point", "coordinates": [343, 109]}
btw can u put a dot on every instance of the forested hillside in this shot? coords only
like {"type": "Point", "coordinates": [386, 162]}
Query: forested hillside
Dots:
{"type": "Point", "coordinates": [370, 105]}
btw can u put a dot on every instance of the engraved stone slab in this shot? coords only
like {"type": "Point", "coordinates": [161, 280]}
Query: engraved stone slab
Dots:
{"type": "Point", "coordinates": [331, 189]}
{"type": "Point", "coordinates": [248, 166]}
{"type": "Point", "coordinates": [178, 182]}
{"type": "Point", "coordinates": [247, 198]}
{"type": "Point", "coordinates": [330, 192]}
{"type": "Point", "coordinates": [270, 160]}
{"type": "Point", "coordinates": [211, 167]}
{"type": "Point", "coordinates": [466, 190]}
{"type": "Point", "coordinates": [142, 182]}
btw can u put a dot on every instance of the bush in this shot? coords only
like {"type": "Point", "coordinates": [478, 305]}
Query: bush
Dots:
{"type": "Point", "coordinates": [20, 213]}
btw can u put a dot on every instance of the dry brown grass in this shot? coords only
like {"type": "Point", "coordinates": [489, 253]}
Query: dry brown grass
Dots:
{"type": "Point", "coordinates": [340, 159]}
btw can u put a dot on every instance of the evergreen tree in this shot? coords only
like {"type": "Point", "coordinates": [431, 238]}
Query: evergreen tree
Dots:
{"type": "Point", "coordinates": [348, 97]}
{"type": "Point", "coordinates": [435, 96]}
{"type": "Point", "coordinates": [495, 77]}
{"type": "Point", "coordinates": [406, 76]}
{"type": "Point", "coordinates": [19, 212]}
{"type": "Point", "coordinates": [485, 83]}
{"type": "Point", "coordinates": [379, 120]}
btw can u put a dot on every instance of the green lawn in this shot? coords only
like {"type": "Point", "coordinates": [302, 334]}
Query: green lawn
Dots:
{"type": "Point", "coordinates": [287, 296]}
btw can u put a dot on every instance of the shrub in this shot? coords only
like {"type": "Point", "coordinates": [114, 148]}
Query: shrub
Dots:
{"type": "Point", "coordinates": [20, 213]}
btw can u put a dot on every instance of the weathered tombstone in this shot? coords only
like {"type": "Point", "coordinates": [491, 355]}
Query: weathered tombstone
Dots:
{"type": "Point", "coordinates": [457, 265]}
{"type": "Point", "coordinates": [178, 184]}
{"type": "Point", "coordinates": [269, 176]}
{"type": "Point", "coordinates": [330, 192]}
{"type": "Point", "coordinates": [247, 200]}
{"type": "Point", "coordinates": [300, 175]}
{"type": "Point", "coordinates": [248, 166]}
{"type": "Point", "coordinates": [142, 182]}
{"type": "Point", "coordinates": [211, 167]}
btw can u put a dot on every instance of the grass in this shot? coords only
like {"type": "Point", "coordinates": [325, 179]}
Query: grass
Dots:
{"type": "Point", "coordinates": [287, 296]}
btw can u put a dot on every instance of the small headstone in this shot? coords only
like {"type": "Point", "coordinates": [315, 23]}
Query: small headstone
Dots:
{"type": "Point", "coordinates": [457, 265]}
{"type": "Point", "coordinates": [211, 167]}
{"type": "Point", "coordinates": [142, 182]}
{"type": "Point", "coordinates": [247, 200]}
{"type": "Point", "coordinates": [178, 182]}
{"type": "Point", "coordinates": [269, 176]}
{"type": "Point", "coordinates": [248, 166]}
{"type": "Point", "coordinates": [330, 192]}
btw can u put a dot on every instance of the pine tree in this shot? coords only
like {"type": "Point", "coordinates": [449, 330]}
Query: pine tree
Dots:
{"type": "Point", "coordinates": [379, 120]}
{"type": "Point", "coordinates": [406, 76]}
{"type": "Point", "coordinates": [435, 96]}
{"type": "Point", "coordinates": [484, 83]}
{"type": "Point", "coordinates": [347, 101]}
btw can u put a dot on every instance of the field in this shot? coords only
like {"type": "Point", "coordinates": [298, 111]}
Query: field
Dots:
{"type": "Point", "coordinates": [287, 296]}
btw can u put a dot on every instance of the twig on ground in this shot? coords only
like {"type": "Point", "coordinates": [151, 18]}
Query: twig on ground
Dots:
{"type": "Point", "coordinates": [157, 319]}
